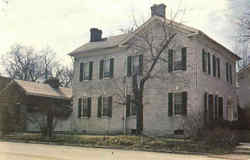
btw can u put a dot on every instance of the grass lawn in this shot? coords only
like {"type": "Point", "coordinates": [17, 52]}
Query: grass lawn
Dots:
{"type": "Point", "coordinates": [162, 144]}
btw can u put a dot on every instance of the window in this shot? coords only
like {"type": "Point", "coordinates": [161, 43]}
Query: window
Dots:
{"type": "Point", "coordinates": [130, 106]}
{"type": "Point", "coordinates": [229, 73]}
{"type": "Point", "coordinates": [86, 71]}
{"type": "Point", "coordinates": [106, 68]}
{"type": "Point", "coordinates": [215, 107]}
{"type": "Point", "coordinates": [84, 107]}
{"type": "Point", "coordinates": [134, 65]}
{"type": "Point", "coordinates": [177, 59]}
{"type": "Point", "coordinates": [204, 60]}
{"type": "Point", "coordinates": [177, 102]}
{"type": "Point", "coordinates": [104, 106]}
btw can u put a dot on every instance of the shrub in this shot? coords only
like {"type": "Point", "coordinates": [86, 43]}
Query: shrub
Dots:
{"type": "Point", "coordinates": [221, 137]}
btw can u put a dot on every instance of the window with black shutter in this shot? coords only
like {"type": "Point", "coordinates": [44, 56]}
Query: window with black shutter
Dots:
{"type": "Point", "coordinates": [104, 106]}
{"type": "Point", "coordinates": [106, 69]}
{"type": "Point", "coordinates": [86, 107]}
{"type": "Point", "coordinates": [86, 71]}
{"type": "Point", "coordinates": [177, 102]}
{"type": "Point", "coordinates": [135, 65]}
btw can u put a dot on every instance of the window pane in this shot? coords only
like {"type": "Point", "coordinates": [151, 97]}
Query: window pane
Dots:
{"type": "Point", "coordinates": [135, 64]}
{"type": "Point", "coordinates": [133, 107]}
{"type": "Point", "coordinates": [86, 71]}
{"type": "Point", "coordinates": [177, 58]}
{"type": "Point", "coordinates": [106, 67]}
{"type": "Point", "coordinates": [85, 107]}
{"type": "Point", "coordinates": [178, 99]}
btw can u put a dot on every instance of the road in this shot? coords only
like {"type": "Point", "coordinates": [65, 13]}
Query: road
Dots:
{"type": "Point", "coordinates": [24, 151]}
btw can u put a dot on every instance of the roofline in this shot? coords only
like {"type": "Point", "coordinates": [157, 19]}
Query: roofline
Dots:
{"type": "Point", "coordinates": [228, 50]}
{"type": "Point", "coordinates": [91, 50]}
{"type": "Point", "coordinates": [181, 26]}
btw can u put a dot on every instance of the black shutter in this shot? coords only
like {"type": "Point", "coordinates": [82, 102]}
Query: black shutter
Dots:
{"type": "Point", "coordinates": [184, 58]}
{"type": "Point", "coordinates": [99, 110]}
{"type": "Point", "coordinates": [221, 108]}
{"type": "Point", "coordinates": [230, 73]}
{"type": "Point", "coordinates": [218, 65]}
{"type": "Point", "coordinates": [141, 64]}
{"type": "Point", "coordinates": [170, 60]}
{"type": "Point", "coordinates": [129, 66]}
{"type": "Point", "coordinates": [214, 66]}
{"type": "Point", "coordinates": [90, 70]}
{"type": "Point", "coordinates": [204, 67]}
{"type": "Point", "coordinates": [110, 106]}
{"type": "Point", "coordinates": [79, 107]}
{"type": "Point", "coordinates": [111, 67]}
{"type": "Point", "coordinates": [170, 104]}
{"type": "Point", "coordinates": [209, 63]}
{"type": "Point", "coordinates": [89, 106]}
{"type": "Point", "coordinates": [227, 69]}
{"type": "Point", "coordinates": [101, 69]}
{"type": "Point", "coordinates": [215, 107]}
{"type": "Point", "coordinates": [184, 103]}
{"type": "Point", "coordinates": [128, 102]}
{"type": "Point", "coordinates": [211, 105]}
{"type": "Point", "coordinates": [81, 72]}
{"type": "Point", "coordinates": [205, 107]}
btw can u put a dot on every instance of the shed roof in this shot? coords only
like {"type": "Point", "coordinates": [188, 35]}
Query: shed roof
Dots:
{"type": "Point", "coordinates": [44, 90]}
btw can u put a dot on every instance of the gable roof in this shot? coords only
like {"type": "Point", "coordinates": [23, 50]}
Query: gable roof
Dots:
{"type": "Point", "coordinates": [44, 90]}
{"type": "Point", "coordinates": [116, 41]}
{"type": "Point", "coordinates": [110, 42]}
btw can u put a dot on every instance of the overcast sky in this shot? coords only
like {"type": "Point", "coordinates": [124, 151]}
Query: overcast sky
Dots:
{"type": "Point", "coordinates": [64, 24]}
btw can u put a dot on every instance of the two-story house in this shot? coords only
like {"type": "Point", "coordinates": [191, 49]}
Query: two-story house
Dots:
{"type": "Point", "coordinates": [198, 78]}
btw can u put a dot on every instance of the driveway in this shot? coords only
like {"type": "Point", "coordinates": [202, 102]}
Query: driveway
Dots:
{"type": "Point", "coordinates": [24, 151]}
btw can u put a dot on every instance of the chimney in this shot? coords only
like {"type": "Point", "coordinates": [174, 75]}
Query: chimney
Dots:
{"type": "Point", "coordinates": [158, 10]}
{"type": "Point", "coordinates": [95, 35]}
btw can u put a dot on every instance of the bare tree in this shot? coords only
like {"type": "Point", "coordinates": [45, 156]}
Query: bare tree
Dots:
{"type": "Point", "coordinates": [154, 45]}
{"type": "Point", "coordinates": [25, 63]}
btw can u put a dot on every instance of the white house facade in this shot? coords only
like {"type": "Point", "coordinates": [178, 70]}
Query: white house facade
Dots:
{"type": "Point", "coordinates": [199, 78]}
